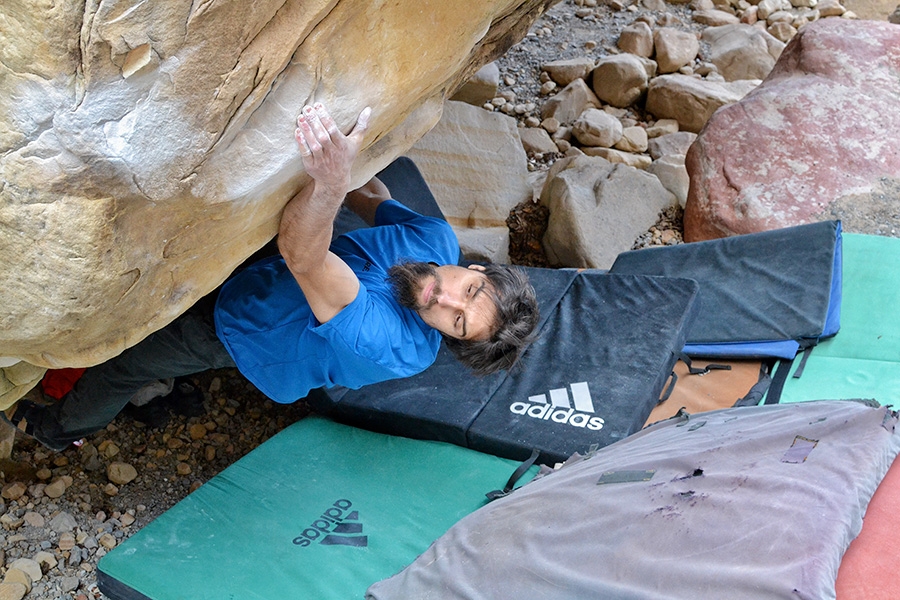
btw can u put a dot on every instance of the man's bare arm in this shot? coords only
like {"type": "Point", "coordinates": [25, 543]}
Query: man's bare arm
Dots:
{"type": "Point", "coordinates": [306, 224]}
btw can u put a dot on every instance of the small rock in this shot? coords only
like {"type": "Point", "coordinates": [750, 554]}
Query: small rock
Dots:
{"type": "Point", "coordinates": [121, 473]}
{"type": "Point", "coordinates": [830, 8]}
{"type": "Point", "coordinates": [56, 489]}
{"type": "Point", "coordinates": [12, 591]}
{"type": "Point", "coordinates": [44, 474]}
{"type": "Point", "coordinates": [110, 490]}
{"type": "Point", "coordinates": [14, 575]}
{"type": "Point", "coordinates": [662, 127]}
{"type": "Point", "coordinates": [183, 468]}
{"type": "Point", "coordinates": [46, 559]}
{"type": "Point", "coordinates": [34, 519]}
{"type": "Point", "coordinates": [11, 522]}
{"type": "Point", "coordinates": [63, 522]}
{"type": "Point", "coordinates": [108, 541]}
{"type": "Point", "coordinates": [14, 490]}
{"type": "Point", "coordinates": [66, 541]}
{"type": "Point", "coordinates": [210, 453]}
{"type": "Point", "coordinates": [126, 519]}
{"type": "Point", "coordinates": [197, 431]}
{"type": "Point", "coordinates": [29, 566]}
{"type": "Point", "coordinates": [69, 584]}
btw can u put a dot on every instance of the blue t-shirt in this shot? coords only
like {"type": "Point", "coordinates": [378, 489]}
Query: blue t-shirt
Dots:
{"type": "Point", "coordinates": [266, 324]}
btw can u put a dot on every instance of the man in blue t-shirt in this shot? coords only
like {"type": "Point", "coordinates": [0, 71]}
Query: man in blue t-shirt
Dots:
{"type": "Point", "coordinates": [373, 305]}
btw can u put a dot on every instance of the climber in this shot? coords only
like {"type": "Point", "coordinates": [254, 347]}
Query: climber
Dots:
{"type": "Point", "coordinates": [371, 306]}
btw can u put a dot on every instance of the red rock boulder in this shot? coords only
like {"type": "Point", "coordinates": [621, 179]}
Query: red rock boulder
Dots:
{"type": "Point", "coordinates": [818, 139]}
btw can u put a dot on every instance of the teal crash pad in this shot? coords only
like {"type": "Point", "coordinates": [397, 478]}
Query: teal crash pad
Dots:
{"type": "Point", "coordinates": [863, 359]}
{"type": "Point", "coordinates": [320, 510]}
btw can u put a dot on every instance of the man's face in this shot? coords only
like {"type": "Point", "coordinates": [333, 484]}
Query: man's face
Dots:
{"type": "Point", "coordinates": [456, 301]}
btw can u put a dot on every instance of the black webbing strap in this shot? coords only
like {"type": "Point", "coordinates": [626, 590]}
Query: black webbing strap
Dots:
{"type": "Point", "coordinates": [515, 477]}
{"type": "Point", "coordinates": [778, 380]}
{"type": "Point", "coordinates": [802, 364]}
{"type": "Point", "coordinates": [700, 370]}
{"type": "Point", "coordinates": [673, 379]}
{"type": "Point", "coordinates": [759, 388]}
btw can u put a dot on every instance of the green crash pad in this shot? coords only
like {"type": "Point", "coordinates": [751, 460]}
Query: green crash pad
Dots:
{"type": "Point", "coordinates": [320, 510]}
{"type": "Point", "coordinates": [863, 359]}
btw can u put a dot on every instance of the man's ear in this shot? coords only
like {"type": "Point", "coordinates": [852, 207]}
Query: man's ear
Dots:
{"type": "Point", "coordinates": [476, 267]}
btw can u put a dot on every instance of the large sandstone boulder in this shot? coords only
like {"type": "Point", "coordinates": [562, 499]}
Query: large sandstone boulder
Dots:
{"type": "Point", "coordinates": [146, 149]}
{"type": "Point", "coordinates": [476, 167]}
{"type": "Point", "coordinates": [597, 210]}
{"type": "Point", "coordinates": [819, 139]}
{"type": "Point", "coordinates": [742, 51]}
{"type": "Point", "coordinates": [692, 101]}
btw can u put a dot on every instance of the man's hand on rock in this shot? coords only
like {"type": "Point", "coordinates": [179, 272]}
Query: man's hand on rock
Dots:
{"type": "Point", "coordinates": [327, 153]}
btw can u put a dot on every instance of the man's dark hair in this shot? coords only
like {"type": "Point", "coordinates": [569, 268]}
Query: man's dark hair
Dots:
{"type": "Point", "coordinates": [517, 316]}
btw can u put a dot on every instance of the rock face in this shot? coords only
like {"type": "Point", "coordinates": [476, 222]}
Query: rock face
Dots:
{"type": "Point", "coordinates": [819, 139]}
{"type": "Point", "coordinates": [692, 101]}
{"type": "Point", "coordinates": [146, 148]}
{"type": "Point", "coordinates": [476, 168]}
{"type": "Point", "coordinates": [597, 208]}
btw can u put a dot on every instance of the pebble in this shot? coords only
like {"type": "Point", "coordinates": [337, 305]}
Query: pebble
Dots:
{"type": "Point", "coordinates": [63, 522]}
{"type": "Point", "coordinates": [11, 522]}
{"type": "Point", "coordinates": [107, 541]}
{"type": "Point", "coordinates": [14, 490]}
{"type": "Point", "coordinates": [66, 541]}
{"type": "Point", "coordinates": [12, 591]}
{"type": "Point", "coordinates": [56, 489]}
{"type": "Point", "coordinates": [14, 575]}
{"type": "Point", "coordinates": [46, 559]}
{"type": "Point", "coordinates": [34, 519]}
{"type": "Point", "coordinates": [69, 584]}
{"type": "Point", "coordinates": [121, 473]}
{"type": "Point", "coordinates": [197, 431]}
{"type": "Point", "coordinates": [108, 449]}
{"type": "Point", "coordinates": [29, 566]}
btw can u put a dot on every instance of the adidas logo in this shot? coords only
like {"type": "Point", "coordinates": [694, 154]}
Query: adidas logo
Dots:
{"type": "Point", "coordinates": [576, 413]}
{"type": "Point", "coordinates": [335, 527]}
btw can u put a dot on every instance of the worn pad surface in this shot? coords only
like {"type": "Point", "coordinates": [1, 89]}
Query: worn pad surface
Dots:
{"type": "Point", "coordinates": [604, 354]}
{"type": "Point", "coordinates": [761, 294]}
{"type": "Point", "coordinates": [321, 510]}
{"type": "Point", "coordinates": [863, 361]}
{"type": "Point", "coordinates": [744, 503]}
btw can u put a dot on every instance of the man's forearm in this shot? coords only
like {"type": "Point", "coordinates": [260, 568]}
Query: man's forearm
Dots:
{"type": "Point", "coordinates": [304, 234]}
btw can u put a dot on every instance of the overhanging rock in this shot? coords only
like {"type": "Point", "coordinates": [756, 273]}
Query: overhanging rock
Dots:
{"type": "Point", "coordinates": [146, 149]}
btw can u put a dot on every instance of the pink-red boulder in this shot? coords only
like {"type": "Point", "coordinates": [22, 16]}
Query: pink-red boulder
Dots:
{"type": "Point", "coordinates": [818, 139]}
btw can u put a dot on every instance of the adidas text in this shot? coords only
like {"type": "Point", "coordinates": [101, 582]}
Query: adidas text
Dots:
{"type": "Point", "coordinates": [331, 522]}
{"type": "Point", "coordinates": [545, 412]}
{"type": "Point", "coordinates": [575, 411]}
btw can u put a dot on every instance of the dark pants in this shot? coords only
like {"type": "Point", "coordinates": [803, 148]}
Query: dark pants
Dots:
{"type": "Point", "coordinates": [186, 346]}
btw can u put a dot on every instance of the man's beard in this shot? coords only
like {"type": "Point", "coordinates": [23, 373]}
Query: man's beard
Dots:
{"type": "Point", "coordinates": [405, 278]}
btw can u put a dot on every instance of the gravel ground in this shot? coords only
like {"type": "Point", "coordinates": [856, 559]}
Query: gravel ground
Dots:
{"type": "Point", "coordinates": [61, 512]}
